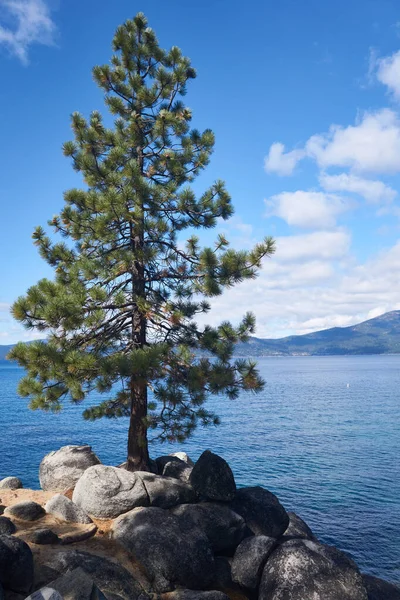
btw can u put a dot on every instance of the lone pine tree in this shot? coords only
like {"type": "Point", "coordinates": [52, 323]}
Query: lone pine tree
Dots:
{"type": "Point", "coordinates": [120, 316]}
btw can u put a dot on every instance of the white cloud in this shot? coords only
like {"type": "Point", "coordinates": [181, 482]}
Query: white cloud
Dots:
{"type": "Point", "coordinates": [321, 245]}
{"type": "Point", "coordinates": [31, 24]}
{"type": "Point", "coordinates": [308, 209]}
{"type": "Point", "coordinates": [388, 72]}
{"type": "Point", "coordinates": [373, 191]}
{"type": "Point", "coordinates": [280, 162]}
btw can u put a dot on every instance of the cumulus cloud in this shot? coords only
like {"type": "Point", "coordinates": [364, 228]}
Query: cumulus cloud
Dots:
{"type": "Point", "coordinates": [373, 191]}
{"type": "Point", "coordinates": [306, 209]}
{"type": "Point", "coordinates": [280, 162]}
{"type": "Point", "coordinates": [321, 245]}
{"type": "Point", "coordinates": [388, 72]}
{"type": "Point", "coordinates": [30, 24]}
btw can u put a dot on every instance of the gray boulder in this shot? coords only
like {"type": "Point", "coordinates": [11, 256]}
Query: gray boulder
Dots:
{"type": "Point", "coordinates": [261, 510]}
{"type": "Point", "coordinates": [64, 509]}
{"type": "Point", "coordinates": [16, 564]}
{"type": "Point", "coordinates": [26, 511]}
{"type": "Point", "coordinates": [224, 528]}
{"type": "Point", "coordinates": [183, 456]}
{"type": "Point", "coordinates": [169, 553]}
{"type": "Point", "coordinates": [11, 483]}
{"type": "Point", "coordinates": [197, 595]}
{"type": "Point", "coordinates": [249, 560]}
{"type": "Point", "coordinates": [46, 593]}
{"type": "Point", "coordinates": [77, 585]}
{"type": "Point", "coordinates": [297, 528]}
{"type": "Point", "coordinates": [378, 589]}
{"type": "Point", "coordinates": [44, 536]}
{"type": "Point", "coordinates": [106, 492]}
{"type": "Point", "coordinates": [178, 470]}
{"type": "Point", "coordinates": [212, 478]}
{"type": "Point", "coordinates": [109, 576]}
{"type": "Point", "coordinates": [300, 569]}
{"type": "Point", "coordinates": [61, 469]}
{"type": "Point", "coordinates": [7, 527]}
{"type": "Point", "coordinates": [165, 492]}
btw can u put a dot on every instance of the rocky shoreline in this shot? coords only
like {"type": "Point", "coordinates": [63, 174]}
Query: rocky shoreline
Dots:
{"type": "Point", "coordinates": [182, 532]}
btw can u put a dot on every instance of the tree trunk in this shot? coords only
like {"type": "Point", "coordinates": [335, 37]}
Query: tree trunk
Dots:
{"type": "Point", "coordinates": [138, 452]}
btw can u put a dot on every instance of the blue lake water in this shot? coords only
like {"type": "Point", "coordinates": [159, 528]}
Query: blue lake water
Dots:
{"type": "Point", "coordinates": [324, 436]}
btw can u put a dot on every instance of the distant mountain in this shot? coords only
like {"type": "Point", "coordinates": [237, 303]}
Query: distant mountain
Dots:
{"type": "Point", "coordinates": [380, 335]}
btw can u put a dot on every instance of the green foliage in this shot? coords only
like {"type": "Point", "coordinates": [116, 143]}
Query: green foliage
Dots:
{"type": "Point", "coordinates": [126, 292]}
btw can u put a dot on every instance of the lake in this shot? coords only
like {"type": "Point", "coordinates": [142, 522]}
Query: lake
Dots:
{"type": "Point", "coordinates": [324, 436]}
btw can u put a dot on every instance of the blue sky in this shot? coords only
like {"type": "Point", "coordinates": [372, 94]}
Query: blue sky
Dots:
{"type": "Point", "coordinates": [304, 99]}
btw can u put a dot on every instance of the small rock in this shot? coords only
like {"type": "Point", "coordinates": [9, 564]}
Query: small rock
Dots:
{"type": "Point", "coordinates": [46, 593]}
{"type": "Point", "coordinates": [378, 589]}
{"type": "Point", "coordinates": [62, 468]}
{"type": "Point", "coordinates": [83, 534]}
{"type": "Point", "coordinates": [169, 553]}
{"type": "Point", "coordinates": [2, 508]}
{"type": "Point", "coordinates": [297, 528]}
{"type": "Point", "coordinates": [11, 483]}
{"type": "Point", "coordinates": [16, 564]}
{"type": "Point", "coordinates": [26, 511]}
{"type": "Point", "coordinates": [212, 478]}
{"type": "Point", "coordinates": [7, 527]}
{"type": "Point", "coordinates": [44, 536]}
{"type": "Point", "coordinates": [249, 560]}
{"type": "Point", "coordinates": [261, 510]}
{"type": "Point", "coordinates": [183, 456]}
{"type": "Point", "coordinates": [196, 595]}
{"type": "Point", "coordinates": [64, 509]}
{"type": "Point", "coordinates": [224, 528]}
{"type": "Point", "coordinates": [300, 569]}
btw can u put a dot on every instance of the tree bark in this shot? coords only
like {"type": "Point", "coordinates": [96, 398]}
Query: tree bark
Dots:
{"type": "Point", "coordinates": [138, 452]}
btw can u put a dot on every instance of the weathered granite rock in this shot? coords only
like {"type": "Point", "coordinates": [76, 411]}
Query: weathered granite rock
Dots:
{"type": "Point", "coordinates": [106, 492]}
{"type": "Point", "coordinates": [249, 560]}
{"type": "Point", "coordinates": [224, 528]}
{"type": "Point", "coordinates": [16, 564]}
{"type": "Point", "coordinates": [85, 532]}
{"type": "Point", "coordinates": [165, 492]}
{"type": "Point", "coordinates": [44, 536]}
{"type": "Point", "coordinates": [178, 470]}
{"type": "Point", "coordinates": [64, 509]}
{"type": "Point", "coordinates": [261, 510]}
{"type": "Point", "coordinates": [183, 456]}
{"type": "Point", "coordinates": [46, 593]}
{"type": "Point", "coordinates": [109, 576]}
{"type": "Point", "coordinates": [297, 528]}
{"type": "Point", "coordinates": [11, 483]}
{"type": "Point", "coordinates": [212, 478]}
{"type": "Point", "coordinates": [300, 569]}
{"type": "Point", "coordinates": [77, 585]}
{"type": "Point", "coordinates": [161, 461]}
{"type": "Point", "coordinates": [26, 511]}
{"type": "Point", "coordinates": [378, 589]}
{"type": "Point", "coordinates": [7, 527]}
{"type": "Point", "coordinates": [196, 595]}
{"type": "Point", "coordinates": [223, 576]}
{"type": "Point", "coordinates": [2, 508]}
{"type": "Point", "coordinates": [62, 468]}
{"type": "Point", "coordinates": [169, 553]}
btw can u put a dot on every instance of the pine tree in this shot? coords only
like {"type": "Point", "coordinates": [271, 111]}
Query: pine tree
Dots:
{"type": "Point", "coordinates": [120, 315]}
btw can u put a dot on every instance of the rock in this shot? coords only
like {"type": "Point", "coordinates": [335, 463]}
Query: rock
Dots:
{"type": "Point", "coordinates": [297, 528]}
{"type": "Point", "coordinates": [165, 492]}
{"type": "Point", "coordinates": [161, 461]}
{"type": "Point", "coordinates": [64, 509]}
{"type": "Point", "coordinates": [2, 508]}
{"type": "Point", "coordinates": [26, 511]}
{"type": "Point", "coordinates": [109, 576]}
{"type": "Point", "coordinates": [62, 468]}
{"type": "Point", "coordinates": [261, 510]}
{"type": "Point", "coordinates": [183, 456]}
{"type": "Point", "coordinates": [212, 478]}
{"type": "Point", "coordinates": [169, 553]}
{"type": "Point", "coordinates": [16, 564]}
{"type": "Point", "coordinates": [177, 470]}
{"type": "Point", "coordinates": [195, 595]}
{"type": "Point", "coordinates": [86, 532]}
{"type": "Point", "coordinates": [224, 528]}
{"type": "Point", "coordinates": [106, 492]}
{"type": "Point", "coordinates": [45, 593]}
{"type": "Point", "coordinates": [7, 527]}
{"type": "Point", "coordinates": [11, 483]}
{"type": "Point", "coordinates": [300, 569]}
{"type": "Point", "coordinates": [44, 536]}
{"type": "Point", "coordinates": [249, 560]}
{"type": "Point", "coordinates": [2, 597]}
{"type": "Point", "coordinates": [223, 575]}
{"type": "Point", "coordinates": [77, 585]}
{"type": "Point", "coordinates": [378, 589]}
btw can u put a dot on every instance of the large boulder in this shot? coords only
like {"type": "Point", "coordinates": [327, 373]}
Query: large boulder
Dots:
{"type": "Point", "coordinates": [11, 483]}
{"type": "Point", "coordinates": [261, 510]}
{"type": "Point", "coordinates": [249, 560]}
{"type": "Point", "coordinates": [74, 585]}
{"type": "Point", "coordinates": [109, 576]}
{"type": "Point", "coordinates": [169, 553]}
{"type": "Point", "coordinates": [45, 593]}
{"type": "Point", "coordinates": [7, 527]}
{"type": "Point", "coordinates": [61, 469]}
{"type": "Point", "coordinates": [212, 478]}
{"type": "Point", "coordinates": [16, 564]}
{"type": "Point", "coordinates": [106, 492]}
{"type": "Point", "coordinates": [64, 509]}
{"type": "Point", "coordinates": [26, 511]}
{"type": "Point", "coordinates": [378, 589]}
{"type": "Point", "coordinates": [300, 569]}
{"type": "Point", "coordinates": [165, 492]}
{"type": "Point", "coordinates": [224, 528]}
{"type": "Point", "coordinates": [178, 470]}
{"type": "Point", "coordinates": [298, 528]}
{"type": "Point", "coordinates": [196, 595]}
